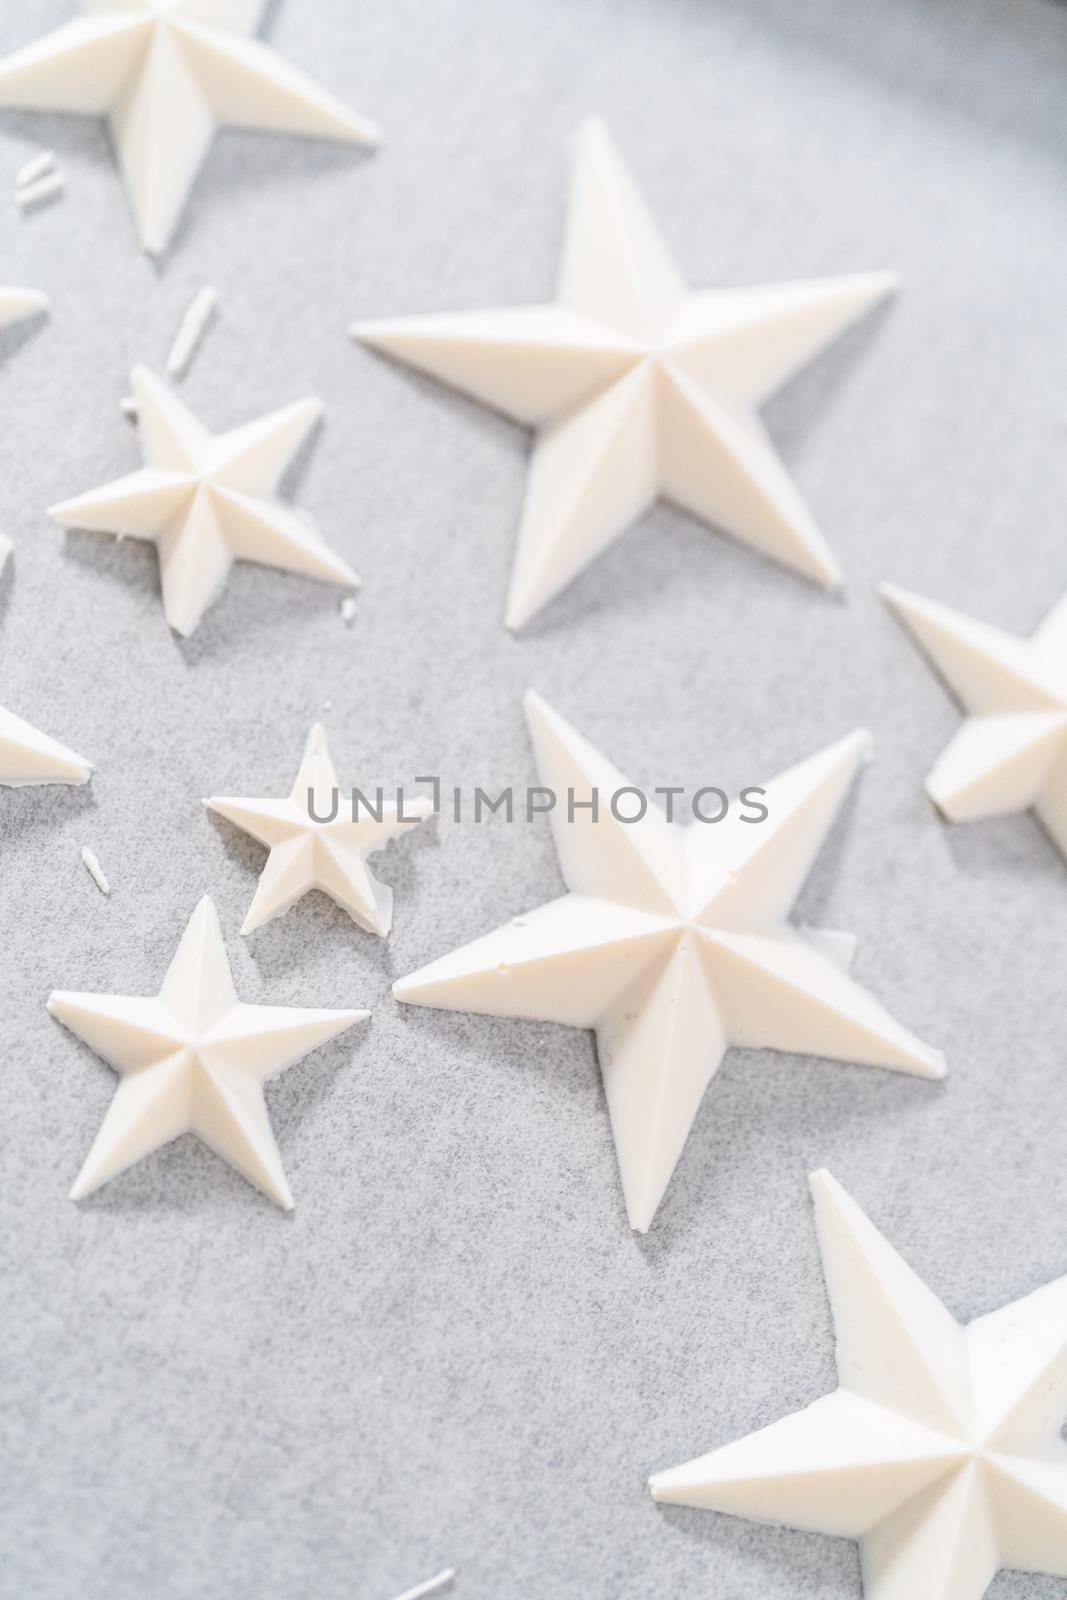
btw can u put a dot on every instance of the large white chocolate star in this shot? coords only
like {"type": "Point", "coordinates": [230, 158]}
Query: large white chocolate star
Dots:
{"type": "Point", "coordinates": [674, 945]}
{"type": "Point", "coordinates": [29, 756]}
{"type": "Point", "coordinates": [940, 1452]}
{"type": "Point", "coordinates": [207, 500]}
{"type": "Point", "coordinates": [193, 1060]}
{"type": "Point", "coordinates": [1011, 752]}
{"type": "Point", "coordinates": [167, 74]}
{"type": "Point", "coordinates": [307, 853]}
{"type": "Point", "coordinates": [638, 389]}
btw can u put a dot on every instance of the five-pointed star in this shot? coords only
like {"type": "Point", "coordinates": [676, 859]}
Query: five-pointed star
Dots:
{"type": "Point", "coordinates": [331, 855]}
{"type": "Point", "coordinates": [940, 1452]}
{"type": "Point", "coordinates": [638, 389]}
{"type": "Point", "coordinates": [29, 756]}
{"type": "Point", "coordinates": [193, 1060]}
{"type": "Point", "coordinates": [674, 945]}
{"type": "Point", "coordinates": [1011, 752]}
{"type": "Point", "coordinates": [167, 74]}
{"type": "Point", "coordinates": [206, 501]}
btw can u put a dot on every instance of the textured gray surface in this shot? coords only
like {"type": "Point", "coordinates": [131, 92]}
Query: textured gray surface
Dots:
{"type": "Point", "coordinates": [454, 1351]}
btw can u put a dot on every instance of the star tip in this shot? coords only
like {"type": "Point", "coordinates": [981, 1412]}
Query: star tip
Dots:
{"type": "Point", "coordinates": [821, 1182]}
{"type": "Point", "coordinates": [655, 1486]}
{"type": "Point", "coordinates": [81, 1188]}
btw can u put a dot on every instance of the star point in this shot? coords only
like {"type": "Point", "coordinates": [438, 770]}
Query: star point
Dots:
{"type": "Point", "coordinates": [167, 76]}
{"type": "Point", "coordinates": [637, 389]}
{"type": "Point", "coordinates": [193, 1060]}
{"type": "Point", "coordinates": [28, 756]}
{"type": "Point", "coordinates": [315, 844]}
{"type": "Point", "coordinates": [207, 500]}
{"type": "Point", "coordinates": [940, 1451]}
{"type": "Point", "coordinates": [674, 944]}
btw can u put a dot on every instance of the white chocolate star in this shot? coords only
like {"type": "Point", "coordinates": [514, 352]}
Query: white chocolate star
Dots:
{"type": "Point", "coordinates": [941, 1450]}
{"type": "Point", "coordinates": [306, 853]}
{"type": "Point", "coordinates": [29, 756]}
{"type": "Point", "coordinates": [674, 945]}
{"type": "Point", "coordinates": [637, 388]}
{"type": "Point", "coordinates": [1011, 752]}
{"type": "Point", "coordinates": [167, 74]}
{"type": "Point", "coordinates": [207, 500]}
{"type": "Point", "coordinates": [193, 1060]}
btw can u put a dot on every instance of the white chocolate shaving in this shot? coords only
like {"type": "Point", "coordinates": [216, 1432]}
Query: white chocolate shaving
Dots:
{"type": "Point", "coordinates": [191, 331]}
{"type": "Point", "coordinates": [95, 870]}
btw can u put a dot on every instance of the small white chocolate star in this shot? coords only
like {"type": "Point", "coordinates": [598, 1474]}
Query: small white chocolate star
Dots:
{"type": "Point", "coordinates": [207, 500]}
{"type": "Point", "coordinates": [193, 1060]}
{"type": "Point", "coordinates": [320, 838]}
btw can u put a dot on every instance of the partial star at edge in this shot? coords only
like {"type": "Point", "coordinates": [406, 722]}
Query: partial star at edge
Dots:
{"type": "Point", "coordinates": [207, 500]}
{"type": "Point", "coordinates": [28, 756]}
{"type": "Point", "coordinates": [193, 1060]}
{"type": "Point", "coordinates": [167, 74]}
{"type": "Point", "coordinates": [941, 1451]}
{"type": "Point", "coordinates": [638, 389]}
{"type": "Point", "coordinates": [1010, 754]}
{"type": "Point", "coordinates": [674, 944]}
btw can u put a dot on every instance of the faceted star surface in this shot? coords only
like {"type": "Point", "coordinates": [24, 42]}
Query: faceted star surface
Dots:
{"type": "Point", "coordinates": [29, 756]}
{"type": "Point", "coordinates": [167, 74]}
{"type": "Point", "coordinates": [207, 500]}
{"type": "Point", "coordinates": [193, 1060]}
{"type": "Point", "coordinates": [1011, 752]}
{"type": "Point", "coordinates": [941, 1451]}
{"type": "Point", "coordinates": [637, 388]}
{"type": "Point", "coordinates": [330, 855]}
{"type": "Point", "coordinates": [674, 944]}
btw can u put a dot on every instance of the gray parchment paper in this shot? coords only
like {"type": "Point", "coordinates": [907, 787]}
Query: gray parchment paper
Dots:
{"type": "Point", "coordinates": [454, 1352]}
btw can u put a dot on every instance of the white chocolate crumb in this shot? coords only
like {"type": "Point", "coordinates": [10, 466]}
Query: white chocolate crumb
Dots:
{"type": "Point", "coordinates": [35, 168]}
{"type": "Point", "coordinates": [191, 331]}
{"type": "Point", "coordinates": [129, 407]}
{"type": "Point", "coordinates": [348, 610]}
{"type": "Point", "coordinates": [95, 870]}
{"type": "Point", "coordinates": [6, 548]}
{"type": "Point", "coordinates": [431, 1586]}
{"type": "Point", "coordinates": [32, 194]}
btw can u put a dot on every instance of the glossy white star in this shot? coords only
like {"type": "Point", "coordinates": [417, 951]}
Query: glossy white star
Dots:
{"type": "Point", "coordinates": [193, 1060]}
{"type": "Point", "coordinates": [306, 853]}
{"type": "Point", "coordinates": [207, 500]}
{"type": "Point", "coordinates": [1011, 753]}
{"type": "Point", "coordinates": [638, 389]}
{"type": "Point", "coordinates": [674, 945]}
{"type": "Point", "coordinates": [29, 756]}
{"type": "Point", "coordinates": [167, 74]}
{"type": "Point", "coordinates": [941, 1450]}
